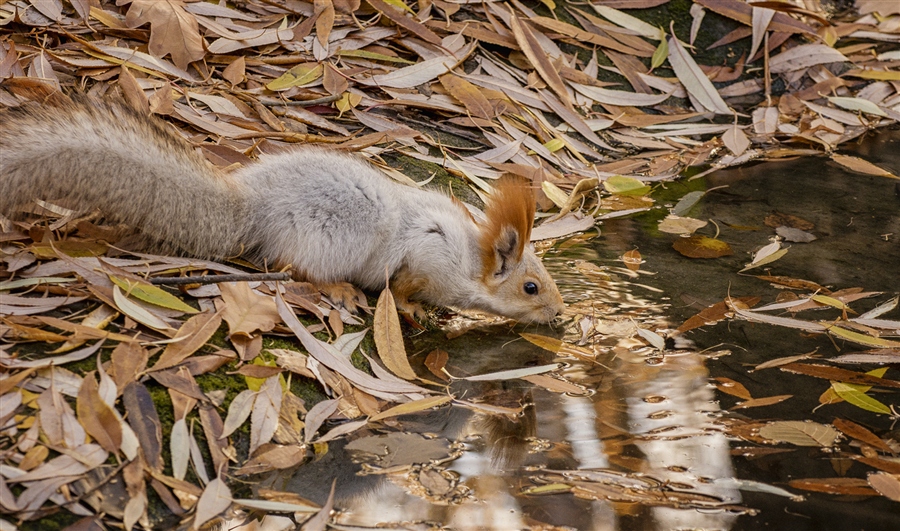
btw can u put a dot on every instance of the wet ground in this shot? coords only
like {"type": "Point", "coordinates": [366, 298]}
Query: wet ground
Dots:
{"type": "Point", "coordinates": [636, 438]}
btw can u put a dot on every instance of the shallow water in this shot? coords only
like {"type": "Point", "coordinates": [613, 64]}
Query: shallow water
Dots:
{"type": "Point", "coordinates": [642, 429]}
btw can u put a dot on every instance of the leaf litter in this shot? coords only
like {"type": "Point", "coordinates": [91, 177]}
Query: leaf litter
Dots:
{"type": "Point", "coordinates": [258, 76]}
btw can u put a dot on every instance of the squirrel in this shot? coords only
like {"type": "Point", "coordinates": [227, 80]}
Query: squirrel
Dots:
{"type": "Point", "coordinates": [330, 216]}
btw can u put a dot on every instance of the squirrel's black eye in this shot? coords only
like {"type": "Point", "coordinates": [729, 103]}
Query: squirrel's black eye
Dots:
{"type": "Point", "coordinates": [530, 288]}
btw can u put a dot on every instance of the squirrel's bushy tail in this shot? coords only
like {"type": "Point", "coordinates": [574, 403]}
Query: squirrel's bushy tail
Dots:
{"type": "Point", "coordinates": [90, 154]}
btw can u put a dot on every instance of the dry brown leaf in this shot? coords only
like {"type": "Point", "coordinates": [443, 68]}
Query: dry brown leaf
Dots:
{"type": "Point", "coordinates": [538, 58]}
{"type": "Point", "coordinates": [235, 72]}
{"type": "Point", "coordinates": [172, 29]}
{"type": "Point", "coordinates": [800, 433]}
{"type": "Point", "coordinates": [840, 375]}
{"type": "Point", "coordinates": [58, 422]}
{"type": "Point", "coordinates": [860, 433]}
{"type": "Point", "coordinates": [846, 486]}
{"type": "Point", "coordinates": [760, 402]}
{"type": "Point", "coordinates": [859, 165]}
{"type": "Point", "coordinates": [694, 80]}
{"type": "Point", "coordinates": [888, 485]}
{"type": "Point", "coordinates": [97, 417]}
{"type": "Point", "coordinates": [247, 311]}
{"type": "Point", "coordinates": [435, 361]}
{"type": "Point", "coordinates": [215, 499]}
{"type": "Point", "coordinates": [400, 18]}
{"type": "Point", "coordinates": [469, 95]}
{"type": "Point", "coordinates": [632, 260]}
{"type": "Point", "coordinates": [742, 12]}
{"type": "Point", "coordinates": [192, 335]}
{"type": "Point", "coordinates": [323, 11]}
{"type": "Point", "coordinates": [732, 387]}
{"type": "Point", "coordinates": [389, 337]}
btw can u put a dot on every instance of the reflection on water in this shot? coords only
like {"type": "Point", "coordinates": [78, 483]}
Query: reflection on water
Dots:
{"type": "Point", "coordinates": [638, 450]}
{"type": "Point", "coordinates": [642, 448]}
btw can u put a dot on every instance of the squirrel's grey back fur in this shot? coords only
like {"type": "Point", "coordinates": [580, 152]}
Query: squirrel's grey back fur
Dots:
{"type": "Point", "coordinates": [331, 216]}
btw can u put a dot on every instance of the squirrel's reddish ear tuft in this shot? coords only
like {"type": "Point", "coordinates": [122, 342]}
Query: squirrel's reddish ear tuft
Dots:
{"type": "Point", "coordinates": [509, 208]}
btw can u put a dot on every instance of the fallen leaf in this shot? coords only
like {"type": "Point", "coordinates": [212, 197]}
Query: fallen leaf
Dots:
{"type": "Point", "coordinates": [800, 433]}
{"type": "Point", "coordinates": [389, 337]}
{"type": "Point", "coordinates": [172, 29]}
{"type": "Point", "coordinates": [888, 485]}
{"type": "Point", "coordinates": [215, 499]}
{"type": "Point", "coordinates": [702, 247]}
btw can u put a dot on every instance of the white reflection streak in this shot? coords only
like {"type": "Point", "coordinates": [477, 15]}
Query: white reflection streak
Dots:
{"type": "Point", "coordinates": [495, 508]}
{"type": "Point", "coordinates": [680, 435]}
{"type": "Point", "coordinates": [587, 448]}
{"type": "Point", "coordinates": [581, 425]}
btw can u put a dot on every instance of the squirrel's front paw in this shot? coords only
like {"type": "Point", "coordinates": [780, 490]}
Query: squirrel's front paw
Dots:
{"type": "Point", "coordinates": [345, 294]}
{"type": "Point", "coordinates": [411, 308]}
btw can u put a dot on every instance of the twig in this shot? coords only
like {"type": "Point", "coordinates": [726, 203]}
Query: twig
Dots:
{"type": "Point", "coordinates": [301, 103]}
{"type": "Point", "coordinates": [215, 279]}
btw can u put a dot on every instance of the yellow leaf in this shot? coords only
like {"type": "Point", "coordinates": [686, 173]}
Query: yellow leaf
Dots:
{"type": "Point", "coordinates": [136, 312]}
{"type": "Point", "coordinates": [412, 407]}
{"type": "Point", "coordinates": [880, 75]}
{"type": "Point", "coordinates": [862, 339]}
{"type": "Point", "coordinates": [555, 145]}
{"type": "Point", "coordinates": [389, 337]}
{"type": "Point", "coordinates": [702, 247]}
{"type": "Point", "coordinates": [830, 301]}
{"type": "Point", "coordinates": [347, 102]}
{"type": "Point", "coordinates": [555, 194]}
{"type": "Point", "coordinates": [469, 95]}
{"type": "Point", "coordinates": [149, 293]}
{"type": "Point", "coordinates": [619, 184]}
{"type": "Point", "coordinates": [299, 75]}
{"type": "Point", "coordinates": [363, 54]}
{"type": "Point", "coordinates": [547, 343]}
{"type": "Point", "coordinates": [659, 56]}
{"type": "Point", "coordinates": [400, 5]}
{"type": "Point", "coordinates": [853, 395]}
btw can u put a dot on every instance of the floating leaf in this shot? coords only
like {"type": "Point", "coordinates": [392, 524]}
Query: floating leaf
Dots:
{"type": "Point", "coordinates": [860, 433]}
{"type": "Point", "coordinates": [861, 166]}
{"type": "Point", "coordinates": [852, 394]}
{"type": "Point", "coordinates": [888, 485]}
{"type": "Point", "coordinates": [800, 433]}
{"type": "Point", "coordinates": [673, 224]}
{"type": "Point", "coordinates": [552, 344]}
{"type": "Point", "coordinates": [412, 407]}
{"type": "Point", "coordinates": [513, 373]}
{"type": "Point", "coordinates": [732, 387]}
{"type": "Point", "coordinates": [845, 486]}
{"type": "Point", "coordinates": [632, 260]}
{"type": "Point", "coordinates": [862, 339]}
{"type": "Point", "coordinates": [618, 184]}
{"type": "Point", "coordinates": [761, 402]}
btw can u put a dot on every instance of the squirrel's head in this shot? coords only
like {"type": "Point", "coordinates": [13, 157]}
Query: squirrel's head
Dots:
{"type": "Point", "coordinates": [518, 284]}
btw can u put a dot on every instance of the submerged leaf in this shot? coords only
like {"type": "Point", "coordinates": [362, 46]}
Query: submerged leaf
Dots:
{"type": "Point", "coordinates": [702, 247]}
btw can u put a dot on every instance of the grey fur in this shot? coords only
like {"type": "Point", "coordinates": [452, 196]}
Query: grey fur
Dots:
{"type": "Point", "coordinates": [331, 216]}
